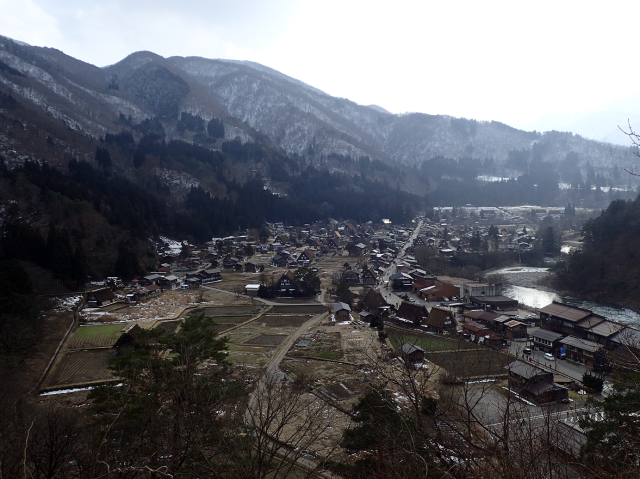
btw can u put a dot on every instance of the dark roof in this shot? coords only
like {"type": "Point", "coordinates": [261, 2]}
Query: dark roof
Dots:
{"type": "Point", "coordinates": [563, 311]}
{"type": "Point", "coordinates": [373, 300]}
{"type": "Point", "coordinates": [473, 326]}
{"type": "Point", "coordinates": [547, 335]}
{"type": "Point", "coordinates": [581, 343]}
{"type": "Point", "coordinates": [104, 294]}
{"type": "Point", "coordinates": [607, 328]}
{"type": "Point", "coordinates": [437, 318]}
{"type": "Point", "coordinates": [412, 312]}
{"type": "Point", "coordinates": [590, 321]}
{"type": "Point", "coordinates": [525, 370]}
{"type": "Point", "coordinates": [335, 307]}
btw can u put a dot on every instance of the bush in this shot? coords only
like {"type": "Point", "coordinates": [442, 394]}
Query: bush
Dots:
{"type": "Point", "coordinates": [593, 382]}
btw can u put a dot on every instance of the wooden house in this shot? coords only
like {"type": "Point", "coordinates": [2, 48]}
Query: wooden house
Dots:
{"type": "Point", "coordinates": [441, 321]}
{"type": "Point", "coordinates": [100, 297]}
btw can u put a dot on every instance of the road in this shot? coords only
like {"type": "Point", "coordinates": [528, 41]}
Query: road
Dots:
{"type": "Point", "coordinates": [565, 367]}
{"type": "Point", "coordinates": [388, 296]}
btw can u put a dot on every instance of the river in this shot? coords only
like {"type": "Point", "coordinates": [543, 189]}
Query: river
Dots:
{"type": "Point", "coordinates": [522, 281]}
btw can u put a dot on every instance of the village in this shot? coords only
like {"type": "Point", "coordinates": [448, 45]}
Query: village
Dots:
{"type": "Point", "coordinates": [338, 306]}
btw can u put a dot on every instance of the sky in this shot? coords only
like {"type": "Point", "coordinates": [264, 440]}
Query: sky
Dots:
{"type": "Point", "coordinates": [521, 63]}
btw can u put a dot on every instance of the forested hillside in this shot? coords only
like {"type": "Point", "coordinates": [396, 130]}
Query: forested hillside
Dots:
{"type": "Point", "coordinates": [608, 267]}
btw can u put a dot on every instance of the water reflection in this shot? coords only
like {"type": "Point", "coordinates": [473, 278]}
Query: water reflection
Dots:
{"type": "Point", "coordinates": [535, 298]}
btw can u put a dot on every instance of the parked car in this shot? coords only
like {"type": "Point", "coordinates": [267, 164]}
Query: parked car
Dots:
{"type": "Point", "coordinates": [549, 356]}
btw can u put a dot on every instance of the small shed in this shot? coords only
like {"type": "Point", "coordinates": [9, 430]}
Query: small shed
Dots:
{"type": "Point", "coordinates": [341, 311]}
{"type": "Point", "coordinates": [411, 353]}
{"type": "Point", "coordinates": [251, 290]}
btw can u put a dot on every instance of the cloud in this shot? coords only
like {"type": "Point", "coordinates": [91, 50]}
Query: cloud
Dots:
{"type": "Point", "coordinates": [25, 21]}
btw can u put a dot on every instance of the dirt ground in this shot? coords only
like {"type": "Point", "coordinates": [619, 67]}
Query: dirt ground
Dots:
{"type": "Point", "coordinates": [164, 306]}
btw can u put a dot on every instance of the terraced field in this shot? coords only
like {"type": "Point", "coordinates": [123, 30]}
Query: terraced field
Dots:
{"type": "Point", "coordinates": [427, 342]}
{"type": "Point", "coordinates": [299, 309]}
{"type": "Point", "coordinates": [284, 321]}
{"type": "Point", "coordinates": [476, 363]}
{"type": "Point", "coordinates": [77, 367]}
{"type": "Point", "coordinates": [100, 336]}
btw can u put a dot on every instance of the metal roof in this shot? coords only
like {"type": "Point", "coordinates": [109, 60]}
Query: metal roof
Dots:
{"type": "Point", "coordinates": [583, 344]}
{"type": "Point", "coordinates": [546, 335]}
{"type": "Point", "coordinates": [564, 311]}
{"type": "Point", "coordinates": [607, 328]}
{"type": "Point", "coordinates": [409, 348]}
{"type": "Point", "coordinates": [525, 370]}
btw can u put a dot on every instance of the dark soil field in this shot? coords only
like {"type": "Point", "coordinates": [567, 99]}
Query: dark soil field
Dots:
{"type": "Point", "coordinates": [250, 310]}
{"type": "Point", "coordinates": [322, 346]}
{"type": "Point", "coordinates": [78, 367]}
{"type": "Point", "coordinates": [299, 309]}
{"type": "Point", "coordinates": [267, 340]}
{"type": "Point", "coordinates": [476, 363]}
{"type": "Point", "coordinates": [312, 370]}
{"type": "Point", "coordinates": [168, 326]}
{"type": "Point", "coordinates": [283, 321]}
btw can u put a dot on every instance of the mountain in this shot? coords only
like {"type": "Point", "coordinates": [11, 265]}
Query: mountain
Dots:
{"type": "Point", "coordinates": [601, 125]}
{"type": "Point", "coordinates": [253, 101]}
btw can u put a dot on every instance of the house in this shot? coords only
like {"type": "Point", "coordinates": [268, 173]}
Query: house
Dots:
{"type": "Point", "coordinates": [149, 279]}
{"type": "Point", "coordinates": [209, 275]}
{"type": "Point", "coordinates": [441, 321]}
{"type": "Point", "coordinates": [586, 352]}
{"type": "Point", "coordinates": [169, 282]}
{"type": "Point", "coordinates": [401, 281]}
{"type": "Point", "coordinates": [306, 257]}
{"type": "Point", "coordinates": [350, 277]}
{"type": "Point", "coordinates": [500, 303]}
{"type": "Point", "coordinates": [410, 314]}
{"type": "Point", "coordinates": [547, 341]}
{"type": "Point", "coordinates": [365, 316]}
{"type": "Point", "coordinates": [515, 330]}
{"type": "Point", "coordinates": [280, 261]}
{"type": "Point", "coordinates": [411, 353]}
{"type": "Point", "coordinates": [251, 267]}
{"type": "Point", "coordinates": [534, 382]}
{"type": "Point", "coordinates": [230, 262]}
{"type": "Point", "coordinates": [341, 311]}
{"type": "Point", "coordinates": [475, 330]}
{"type": "Point", "coordinates": [374, 303]}
{"type": "Point", "coordinates": [435, 290]}
{"type": "Point", "coordinates": [472, 289]}
{"type": "Point", "coordinates": [191, 283]}
{"type": "Point", "coordinates": [100, 297]}
{"type": "Point", "coordinates": [368, 276]}
{"type": "Point", "coordinates": [334, 243]}
{"type": "Point", "coordinates": [564, 319]}
{"type": "Point", "coordinates": [288, 285]}
{"type": "Point", "coordinates": [128, 337]}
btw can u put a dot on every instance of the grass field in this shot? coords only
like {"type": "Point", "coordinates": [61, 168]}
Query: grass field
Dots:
{"type": "Point", "coordinates": [426, 341]}
{"type": "Point", "coordinates": [472, 363]}
{"type": "Point", "coordinates": [101, 336]}
{"type": "Point", "coordinates": [78, 367]}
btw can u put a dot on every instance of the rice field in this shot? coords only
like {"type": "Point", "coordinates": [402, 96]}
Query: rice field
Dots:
{"type": "Point", "coordinates": [99, 336]}
{"type": "Point", "coordinates": [284, 321]}
{"type": "Point", "coordinates": [77, 367]}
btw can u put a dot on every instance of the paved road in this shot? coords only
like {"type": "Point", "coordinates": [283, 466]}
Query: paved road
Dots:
{"type": "Point", "coordinates": [568, 368]}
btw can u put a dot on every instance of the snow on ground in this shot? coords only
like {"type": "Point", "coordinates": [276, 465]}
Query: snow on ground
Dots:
{"type": "Point", "coordinates": [66, 303]}
{"type": "Point", "coordinates": [165, 305]}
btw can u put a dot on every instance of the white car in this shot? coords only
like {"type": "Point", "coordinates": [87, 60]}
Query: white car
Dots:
{"type": "Point", "coordinates": [549, 356]}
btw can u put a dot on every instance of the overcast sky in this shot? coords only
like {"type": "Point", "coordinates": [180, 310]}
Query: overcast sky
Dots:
{"type": "Point", "coordinates": [511, 61]}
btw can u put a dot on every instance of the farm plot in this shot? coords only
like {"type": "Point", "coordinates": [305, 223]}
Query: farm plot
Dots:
{"type": "Point", "coordinates": [471, 363]}
{"type": "Point", "coordinates": [284, 321]}
{"type": "Point", "coordinates": [78, 367]}
{"type": "Point", "coordinates": [169, 327]}
{"type": "Point", "coordinates": [226, 311]}
{"type": "Point", "coordinates": [298, 309]}
{"type": "Point", "coordinates": [100, 336]}
{"type": "Point", "coordinates": [340, 390]}
{"type": "Point", "coordinates": [322, 346]}
{"type": "Point", "coordinates": [266, 340]}
{"type": "Point", "coordinates": [427, 342]}
{"type": "Point", "coordinates": [312, 370]}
